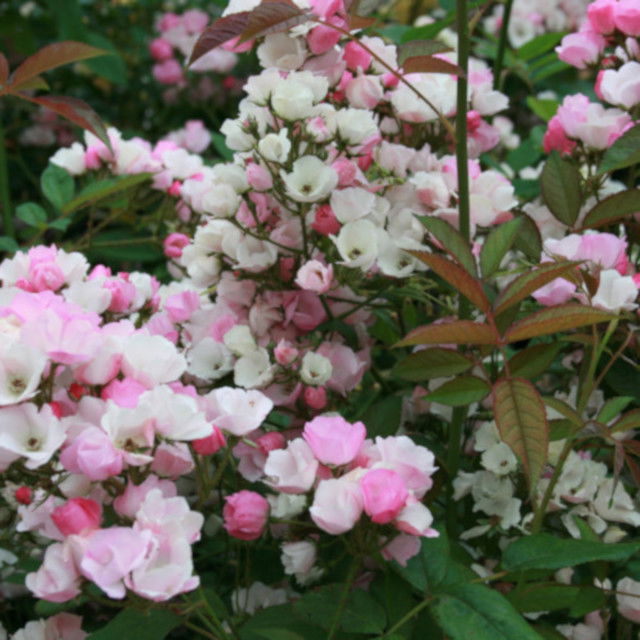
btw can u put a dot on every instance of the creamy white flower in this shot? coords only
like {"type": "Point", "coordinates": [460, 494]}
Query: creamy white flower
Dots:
{"type": "Point", "coordinates": [70, 158]}
{"type": "Point", "coordinates": [351, 203]}
{"type": "Point", "coordinates": [275, 147]}
{"type": "Point", "coordinates": [615, 292]}
{"type": "Point", "coordinates": [616, 506]}
{"type": "Point", "coordinates": [286, 505]}
{"type": "Point", "coordinates": [355, 125]}
{"type": "Point", "coordinates": [235, 136]}
{"type": "Point", "coordinates": [239, 340]}
{"type": "Point", "coordinates": [310, 180]}
{"type": "Point", "coordinates": [209, 359]}
{"type": "Point", "coordinates": [357, 244]}
{"type": "Point", "coordinates": [257, 596]}
{"type": "Point", "coordinates": [298, 558]}
{"type": "Point", "coordinates": [281, 51]}
{"type": "Point", "coordinates": [253, 370]}
{"type": "Point", "coordinates": [315, 369]}
{"type": "Point", "coordinates": [499, 459]}
{"type": "Point", "coordinates": [21, 368]}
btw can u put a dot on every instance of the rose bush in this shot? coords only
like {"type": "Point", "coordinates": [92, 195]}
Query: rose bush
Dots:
{"type": "Point", "coordinates": [378, 378]}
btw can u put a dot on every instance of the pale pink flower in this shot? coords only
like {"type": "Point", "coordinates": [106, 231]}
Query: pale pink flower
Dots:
{"type": "Point", "coordinates": [333, 440]}
{"type": "Point", "coordinates": [337, 505]}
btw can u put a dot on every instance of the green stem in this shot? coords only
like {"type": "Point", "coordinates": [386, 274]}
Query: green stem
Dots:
{"type": "Point", "coordinates": [415, 611]}
{"type": "Point", "coordinates": [464, 310]}
{"type": "Point", "coordinates": [351, 576]}
{"type": "Point", "coordinates": [5, 194]}
{"type": "Point", "coordinates": [502, 45]}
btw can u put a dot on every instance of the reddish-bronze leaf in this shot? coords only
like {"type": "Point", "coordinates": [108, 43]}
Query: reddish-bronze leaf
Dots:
{"type": "Point", "coordinates": [619, 205]}
{"type": "Point", "coordinates": [221, 31]}
{"type": "Point", "coordinates": [633, 468]}
{"type": "Point", "coordinates": [4, 69]}
{"type": "Point", "coordinates": [430, 64]}
{"type": "Point", "coordinates": [77, 111]}
{"type": "Point", "coordinates": [417, 48]}
{"type": "Point", "coordinates": [361, 22]}
{"type": "Point", "coordinates": [453, 332]}
{"type": "Point", "coordinates": [555, 319]}
{"type": "Point", "coordinates": [272, 16]}
{"type": "Point", "coordinates": [626, 422]}
{"type": "Point", "coordinates": [522, 422]}
{"type": "Point", "coordinates": [459, 278]}
{"type": "Point", "coordinates": [52, 56]}
{"type": "Point", "coordinates": [526, 284]}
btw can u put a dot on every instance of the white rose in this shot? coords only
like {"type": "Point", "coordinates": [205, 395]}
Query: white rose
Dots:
{"type": "Point", "coordinates": [315, 369]}
{"type": "Point", "coordinates": [310, 180]}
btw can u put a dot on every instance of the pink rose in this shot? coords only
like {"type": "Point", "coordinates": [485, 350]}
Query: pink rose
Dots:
{"type": "Point", "coordinates": [77, 515]}
{"type": "Point", "coordinates": [245, 515]}
{"type": "Point", "coordinates": [581, 49]}
{"type": "Point", "coordinates": [356, 57]}
{"type": "Point", "coordinates": [627, 17]}
{"type": "Point", "coordinates": [93, 454]}
{"type": "Point", "coordinates": [292, 470]}
{"type": "Point", "coordinates": [384, 494]}
{"type": "Point", "coordinates": [57, 579]}
{"type": "Point", "coordinates": [333, 440]}
{"type": "Point", "coordinates": [174, 243]}
{"type": "Point", "coordinates": [601, 15]}
{"type": "Point", "coordinates": [401, 549]}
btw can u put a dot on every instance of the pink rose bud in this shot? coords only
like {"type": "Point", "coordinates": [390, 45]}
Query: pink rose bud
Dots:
{"type": "Point", "coordinates": [390, 80]}
{"type": "Point", "coordinates": [23, 495]}
{"type": "Point", "coordinates": [211, 444]}
{"type": "Point", "coordinates": [315, 397]}
{"type": "Point", "coordinates": [168, 72]}
{"type": "Point", "coordinates": [161, 49]}
{"type": "Point", "coordinates": [77, 515]}
{"type": "Point", "coordinates": [270, 441]}
{"type": "Point", "coordinates": [245, 515]}
{"type": "Point", "coordinates": [384, 494]}
{"type": "Point", "coordinates": [333, 440]}
{"type": "Point", "coordinates": [315, 276]}
{"type": "Point", "coordinates": [285, 353]}
{"type": "Point", "coordinates": [325, 221]}
{"type": "Point", "coordinates": [356, 57]}
{"type": "Point", "coordinates": [174, 243]}
{"type": "Point", "coordinates": [322, 38]}
{"type": "Point", "coordinates": [258, 177]}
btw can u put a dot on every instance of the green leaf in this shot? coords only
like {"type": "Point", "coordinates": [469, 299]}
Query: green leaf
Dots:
{"type": "Point", "coordinates": [460, 392]}
{"type": "Point", "coordinates": [475, 611]}
{"type": "Point", "coordinates": [427, 31]}
{"type": "Point", "coordinates": [432, 363]}
{"type": "Point", "coordinates": [361, 612]}
{"type": "Point", "coordinates": [453, 331]}
{"type": "Point", "coordinates": [458, 277]}
{"type": "Point", "coordinates": [495, 247]}
{"type": "Point", "coordinates": [543, 596]}
{"type": "Point", "coordinates": [220, 145]}
{"type": "Point", "coordinates": [529, 282]}
{"type": "Point", "coordinates": [561, 428]}
{"type": "Point", "coordinates": [539, 45]}
{"type": "Point", "coordinates": [130, 623]}
{"type": "Point", "coordinates": [545, 551]}
{"type": "Point", "coordinates": [544, 109]}
{"type": "Point", "coordinates": [57, 185]}
{"type": "Point", "coordinates": [452, 241]}
{"type": "Point", "coordinates": [555, 319]}
{"type": "Point", "coordinates": [522, 422]}
{"type": "Point", "coordinates": [383, 418]}
{"type": "Point", "coordinates": [97, 191]}
{"type": "Point", "coordinates": [619, 205]}
{"type": "Point", "coordinates": [7, 244]}
{"type": "Point", "coordinates": [111, 67]}
{"type": "Point", "coordinates": [32, 214]}
{"type": "Point", "coordinates": [278, 634]}
{"type": "Point", "coordinates": [529, 240]}
{"type": "Point", "coordinates": [272, 618]}
{"type": "Point", "coordinates": [533, 361]}
{"type": "Point", "coordinates": [561, 188]}
{"type": "Point", "coordinates": [613, 407]}
{"type": "Point", "coordinates": [624, 152]}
